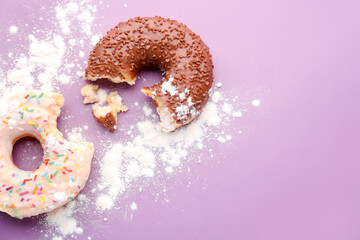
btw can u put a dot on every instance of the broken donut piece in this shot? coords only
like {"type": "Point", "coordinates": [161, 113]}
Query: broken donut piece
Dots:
{"type": "Point", "coordinates": [107, 115]}
{"type": "Point", "coordinates": [90, 93]}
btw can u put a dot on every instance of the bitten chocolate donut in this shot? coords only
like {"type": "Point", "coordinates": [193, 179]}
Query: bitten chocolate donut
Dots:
{"type": "Point", "coordinates": [165, 44]}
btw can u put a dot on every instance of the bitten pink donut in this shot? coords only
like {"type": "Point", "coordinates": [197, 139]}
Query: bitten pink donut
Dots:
{"type": "Point", "coordinates": [65, 167]}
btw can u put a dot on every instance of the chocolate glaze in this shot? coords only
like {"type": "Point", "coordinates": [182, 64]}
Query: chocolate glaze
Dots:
{"type": "Point", "coordinates": [162, 43]}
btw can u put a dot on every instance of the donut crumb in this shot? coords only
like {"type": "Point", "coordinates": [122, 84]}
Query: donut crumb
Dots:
{"type": "Point", "coordinates": [90, 93]}
{"type": "Point", "coordinates": [107, 115]}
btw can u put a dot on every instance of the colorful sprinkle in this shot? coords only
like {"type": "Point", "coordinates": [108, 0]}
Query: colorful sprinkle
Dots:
{"type": "Point", "coordinates": [36, 133]}
{"type": "Point", "coordinates": [26, 180]}
{"type": "Point", "coordinates": [34, 191]}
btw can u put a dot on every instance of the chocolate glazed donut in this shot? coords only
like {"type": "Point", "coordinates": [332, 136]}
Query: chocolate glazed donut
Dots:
{"type": "Point", "coordinates": [166, 44]}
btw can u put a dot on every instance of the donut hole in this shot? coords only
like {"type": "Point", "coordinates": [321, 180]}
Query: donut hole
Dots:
{"type": "Point", "coordinates": [27, 153]}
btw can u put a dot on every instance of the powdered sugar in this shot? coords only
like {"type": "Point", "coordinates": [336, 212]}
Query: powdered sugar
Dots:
{"type": "Point", "coordinates": [94, 40]}
{"type": "Point", "coordinates": [133, 206]}
{"type": "Point", "coordinates": [151, 151]}
{"type": "Point", "coordinates": [47, 62]}
{"type": "Point", "coordinates": [63, 220]}
{"type": "Point", "coordinates": [13, 29]}
{"type": "Point", "coordinates": [227, 108]}
{"type": "Point", "coordinates": [167, 86]}
{"type": "Point", "coordinates": [147, 110]}
{"type": "Point", "coordinates": [237, 114]}
{"type": "Point", "coordinates": [255, 102]}
{"type": "Point", "coordinates": [75, 135]}
{"type": "Point", "coordinates": [79, 12]}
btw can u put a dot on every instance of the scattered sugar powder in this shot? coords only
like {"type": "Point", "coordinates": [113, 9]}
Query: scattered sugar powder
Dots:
{"type": "Point", "coordinates": [75, 135]}
{"type": "Point", "coordinates": [51, 57]}
{"type": "Point", "coordinates": [133, 206]}
{"type": "Point", "coordinates": [13, 29]}
{"type": "Point", "coordinates": [94, 40]}
{"type": "Point", "coordinates": [167, 86]}
{"type": "Point", "coordinates": [227, 108]}
{"type": "Point", "coordinates": [151, 152]}
{"type": "Point", "coordinates": [237, 114]}
{"type": "Point", "coordinates": [64, 220]}
{"type": "Point", "coordinates": [147, 110]}
{"type": "Point", "coordinates": [255, 102]}
{"type": "Point", "coordinates": [75, 13]}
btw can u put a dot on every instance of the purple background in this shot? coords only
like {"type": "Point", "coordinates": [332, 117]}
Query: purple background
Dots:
{"type": "Point", "coordinates": [295, 173]}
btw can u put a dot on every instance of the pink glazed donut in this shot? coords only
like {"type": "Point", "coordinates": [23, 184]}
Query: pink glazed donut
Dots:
{"type": "Point", "coordinates": [65, 167]}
